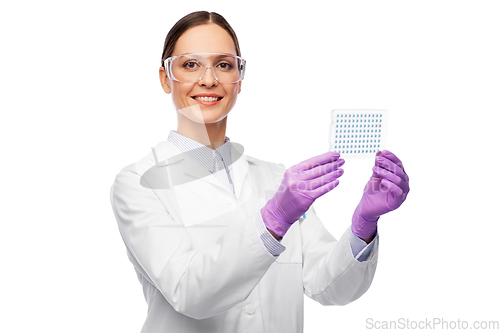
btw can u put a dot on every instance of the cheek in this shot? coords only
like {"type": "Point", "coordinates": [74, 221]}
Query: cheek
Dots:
{"type": "Point", "coordinates": [232, 94]}
{"type": "Point", "coordinates": [180, 95]}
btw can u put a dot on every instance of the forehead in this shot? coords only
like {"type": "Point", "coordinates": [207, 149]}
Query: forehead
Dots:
{"type": "Point", "coordinates": [205, 38]}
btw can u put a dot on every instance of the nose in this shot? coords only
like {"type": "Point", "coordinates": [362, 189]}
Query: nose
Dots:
{"type": "Point", "coordinates": [208, 79]}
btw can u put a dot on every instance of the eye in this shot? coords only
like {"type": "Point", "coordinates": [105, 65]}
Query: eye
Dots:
{"type": "Point", "coordinates": [225, 66]}
{"type": "Point", "coordinates": [190, 65]}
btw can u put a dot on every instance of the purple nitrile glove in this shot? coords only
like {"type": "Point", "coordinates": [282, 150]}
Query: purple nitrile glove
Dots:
{"type": "Point", "coordinates": [301, 185]}
{"type": "Point", "coordinates": [385, 191]}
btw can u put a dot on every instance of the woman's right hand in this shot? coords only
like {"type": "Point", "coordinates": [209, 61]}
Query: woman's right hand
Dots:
{"type": "Point", "coordinates": [302, 184]}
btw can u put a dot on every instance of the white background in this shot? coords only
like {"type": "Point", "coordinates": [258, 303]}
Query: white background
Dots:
{"type": "Point", "coordinates": [81, 99]}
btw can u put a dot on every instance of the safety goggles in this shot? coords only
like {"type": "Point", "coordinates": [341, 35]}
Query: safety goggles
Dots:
{"type": "Point", "coordinates": [191, 67]}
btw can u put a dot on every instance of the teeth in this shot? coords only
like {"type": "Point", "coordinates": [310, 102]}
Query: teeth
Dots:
{"type": "Point", "coordinates": [207, 99]}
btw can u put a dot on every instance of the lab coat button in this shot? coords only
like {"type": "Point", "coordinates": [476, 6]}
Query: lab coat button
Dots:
{"type": "Point", "coordinates": [249, 309]}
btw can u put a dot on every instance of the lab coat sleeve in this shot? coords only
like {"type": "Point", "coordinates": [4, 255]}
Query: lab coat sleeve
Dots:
{"type": "Point", "coordinates": [197, 283]}
{"type": "Point", "coordinates": [331, 274]}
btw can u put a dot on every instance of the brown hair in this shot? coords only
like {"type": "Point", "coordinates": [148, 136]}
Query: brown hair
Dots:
{"type": "Point", "coordinates": [192, 20]}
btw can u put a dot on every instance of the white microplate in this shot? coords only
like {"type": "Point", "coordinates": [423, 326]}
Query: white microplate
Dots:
{"type": "Point", "coordinates": [358, 133]}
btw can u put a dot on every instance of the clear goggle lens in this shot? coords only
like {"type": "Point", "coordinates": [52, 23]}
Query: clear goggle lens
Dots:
{"type": "Point", "coordinates": [226, 68]}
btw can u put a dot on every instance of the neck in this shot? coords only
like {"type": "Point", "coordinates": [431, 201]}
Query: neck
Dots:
{"type": "Point", "coordinates": [211, 135]}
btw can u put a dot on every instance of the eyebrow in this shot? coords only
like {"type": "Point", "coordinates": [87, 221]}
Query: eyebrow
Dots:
{"type": "Point", "coordinates": [226, 55]}
{"type": "Point", "coordinates": [218, 57]}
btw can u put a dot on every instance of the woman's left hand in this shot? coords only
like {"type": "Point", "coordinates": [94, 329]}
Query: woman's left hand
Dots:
{"type": "Point", "coordinates": [386, 190]}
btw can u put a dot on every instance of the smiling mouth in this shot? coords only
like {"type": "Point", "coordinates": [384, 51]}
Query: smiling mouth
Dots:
{"type": "Point", "coordinates": [207, 99]}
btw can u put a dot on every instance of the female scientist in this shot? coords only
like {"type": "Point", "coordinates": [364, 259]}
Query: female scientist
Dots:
{"type": "Point", "coordinates": [224, 242]}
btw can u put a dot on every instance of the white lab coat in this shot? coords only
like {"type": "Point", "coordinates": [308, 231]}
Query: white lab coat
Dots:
{"type": "Point", "coordinates": [201, 262]}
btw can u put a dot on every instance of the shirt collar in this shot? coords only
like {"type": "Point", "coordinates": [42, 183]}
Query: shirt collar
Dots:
{"type": "Point", "coordinates": [206, 156]}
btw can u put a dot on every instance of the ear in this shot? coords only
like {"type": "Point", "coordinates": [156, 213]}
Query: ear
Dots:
{"type": "Point", "coordinates": [164, 81]}
{"type": "Point", "coordinates": [239, 87]}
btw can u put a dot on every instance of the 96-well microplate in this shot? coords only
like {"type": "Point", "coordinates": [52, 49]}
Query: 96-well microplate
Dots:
{"type": "Point", "coordinates": [358, 133]}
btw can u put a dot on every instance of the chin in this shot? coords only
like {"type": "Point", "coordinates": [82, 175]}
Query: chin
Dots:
{"type": "Point", "coordinates": [210, 120]}
{"type": "Point", "coordinates": [195, 114]}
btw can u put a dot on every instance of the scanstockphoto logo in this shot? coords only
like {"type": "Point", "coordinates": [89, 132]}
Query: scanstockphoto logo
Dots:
{"type": "Point", "coordinates": [182, 168]}
{"type": "Point", "coordinates": [185, 167]}
{"type": "Point", "coordinates": [431, 324]}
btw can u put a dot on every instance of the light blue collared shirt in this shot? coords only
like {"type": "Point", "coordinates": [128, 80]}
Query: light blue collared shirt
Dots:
{"type": "Point", "coordinates": [215, 160]}
{"type": "Point", "coordinates": [212, 160]}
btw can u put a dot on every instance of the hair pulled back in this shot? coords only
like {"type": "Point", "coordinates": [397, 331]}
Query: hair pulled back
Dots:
{"type": "Point", "coordinates": [192, 20]}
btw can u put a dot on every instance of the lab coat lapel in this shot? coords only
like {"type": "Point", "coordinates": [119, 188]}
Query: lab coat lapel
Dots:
{"type": "Point", "coordinates": [241, 181]}
{"type": "Point", "coordinates": [194, 171]}
{"type": "Point", "coordinates": [182, 167]}
{"type": "Point", "coordinates": [189, 197]}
